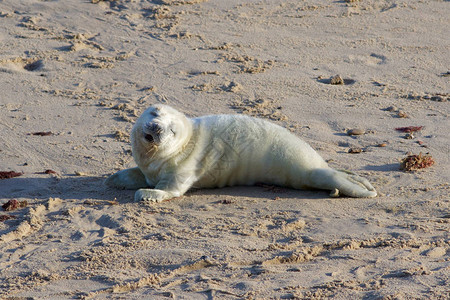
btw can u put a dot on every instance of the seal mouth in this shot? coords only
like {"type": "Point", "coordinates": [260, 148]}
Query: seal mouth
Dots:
{"type": "Point", "coordinates": [149, 138]}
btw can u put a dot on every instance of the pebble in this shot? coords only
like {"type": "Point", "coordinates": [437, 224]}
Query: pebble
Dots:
{"type": "Point", "coordinates": [402, 114]}
{"type": "Point", "coordinates": [356, 131]}
{"type": "Point", "coordinates": [409, 136]}
{"type": "Point", "coordinates": [392, 108]}
{"type": "Point", "coordinates": [336, 80]}
{"type": "Point", "coordinates": [355, 150]}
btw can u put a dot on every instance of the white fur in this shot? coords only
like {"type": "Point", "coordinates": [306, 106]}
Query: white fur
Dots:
{"type": "Point", "coordinates": [224, 150]}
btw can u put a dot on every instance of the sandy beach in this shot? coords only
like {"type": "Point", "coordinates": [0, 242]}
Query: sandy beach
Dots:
{"type": "Point", "coordinates": [75, 75]}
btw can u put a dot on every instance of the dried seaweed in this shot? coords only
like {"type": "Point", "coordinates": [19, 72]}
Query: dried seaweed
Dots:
{"type": "Point", "coordinates": [416, 162]}
{"type": "Point", "coordinates": [41, 133]}
{"type": "Point", "coordinates": [13, 204]}
{"type": "Point", "coordinates": [9, 174]}
{"type": "Point", "coordinates": [409, 129]}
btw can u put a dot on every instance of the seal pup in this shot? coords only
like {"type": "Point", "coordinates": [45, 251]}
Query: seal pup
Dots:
{"type": "Point", "coordinates": [174, 153]}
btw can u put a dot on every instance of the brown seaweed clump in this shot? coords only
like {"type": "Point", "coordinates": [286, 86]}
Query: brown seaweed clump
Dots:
{"type": "Point", "coordinates": [13, 204]}
{"type": "Point", "coordinates": [409, 129]}
{"type": "Point", "coordinates": [41, 133]}
{"type": "Point", "coordinates": [415, 162]}
{"type": "Point", "coordinates": [9, 174]}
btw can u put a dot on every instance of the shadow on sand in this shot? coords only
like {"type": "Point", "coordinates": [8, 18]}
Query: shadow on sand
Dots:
{"type": "Point", "coordinates": [92, 187]}
{"type": "Point", "coordinates": [65, 187]}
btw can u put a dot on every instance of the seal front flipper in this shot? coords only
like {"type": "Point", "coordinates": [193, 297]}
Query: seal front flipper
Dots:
{"type": "Point", "coordinates": [170, 186]}
{"type": "Point", "coordinates": [147, 196]}
{"type": "Point", "coordinates": [130, 179]}
{"type": "Point", "coordinates": [342, 183]}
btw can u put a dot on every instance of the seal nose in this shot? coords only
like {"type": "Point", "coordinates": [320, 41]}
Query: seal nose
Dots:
{"type": "Point", "coordinates": [154, 127]}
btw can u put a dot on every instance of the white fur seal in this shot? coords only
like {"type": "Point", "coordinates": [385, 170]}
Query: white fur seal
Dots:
{"type": "Point", "coordinates": [174, 153]}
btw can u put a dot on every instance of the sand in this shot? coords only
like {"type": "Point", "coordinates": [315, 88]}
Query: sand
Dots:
{"type": "Point", "coordinates": [82, 71]}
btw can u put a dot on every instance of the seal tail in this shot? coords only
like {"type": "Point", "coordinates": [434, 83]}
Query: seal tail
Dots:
{"type": "Point", "coordinates": [342, 183]}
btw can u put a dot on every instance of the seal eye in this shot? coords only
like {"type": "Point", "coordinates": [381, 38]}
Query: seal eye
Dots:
{"type": "Point", "coordinates": [154, 113]}
{"type": "Point", "coordinates": [149, 138]}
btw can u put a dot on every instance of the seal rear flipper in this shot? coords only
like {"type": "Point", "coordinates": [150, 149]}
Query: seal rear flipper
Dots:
{"type": "Point", "coordinates": [342, 183]}
{"type": "Point", "coordinates": [130, 179]}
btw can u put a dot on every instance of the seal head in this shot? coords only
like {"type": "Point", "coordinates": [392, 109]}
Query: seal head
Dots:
{"type": "Point", "coordinates": [160, 132]}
